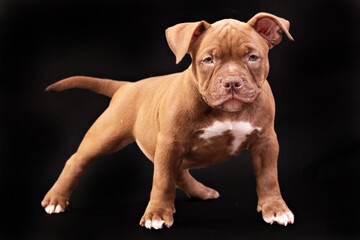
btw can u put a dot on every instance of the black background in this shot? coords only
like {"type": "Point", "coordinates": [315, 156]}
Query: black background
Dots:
{"type": "Point", "coordinates": [316, 85]}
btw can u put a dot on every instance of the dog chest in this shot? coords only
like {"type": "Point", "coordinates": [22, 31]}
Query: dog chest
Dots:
{"type": "Point", "coordinates": [231, 134]}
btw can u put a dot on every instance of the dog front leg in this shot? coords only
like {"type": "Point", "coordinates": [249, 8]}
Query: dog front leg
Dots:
{"type": "Point", "coordinates": [264, 156]}
{"type": "Point", "coordinates": [167, 162]}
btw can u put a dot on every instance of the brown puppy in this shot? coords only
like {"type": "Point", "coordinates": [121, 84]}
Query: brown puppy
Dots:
{"type": "Point", "coordinates": [209, 113]}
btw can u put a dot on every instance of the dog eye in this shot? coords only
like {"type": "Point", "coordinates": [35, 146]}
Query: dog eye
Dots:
{"type": "Point", "coordinates": [208, 60]}
{"type": "Point", "coordinates": [253, 57]}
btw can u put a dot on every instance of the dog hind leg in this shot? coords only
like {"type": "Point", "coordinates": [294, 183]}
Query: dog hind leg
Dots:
{"type": "Point", "coordinates": [193, 188]}
{"type": "Point", "coordinates": [104, 137]}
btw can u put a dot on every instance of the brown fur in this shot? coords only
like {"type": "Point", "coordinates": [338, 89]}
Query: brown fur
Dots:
{"type": "Point", "coordinates": [106, 87]}
{"type": "Point", "coordinates": [165, 116]}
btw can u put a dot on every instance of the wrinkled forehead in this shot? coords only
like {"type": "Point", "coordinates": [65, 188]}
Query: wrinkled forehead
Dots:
{"type": "Point", "coordinates": [230, 36]}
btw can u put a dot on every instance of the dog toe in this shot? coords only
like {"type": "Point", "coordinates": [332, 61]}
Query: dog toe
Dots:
{"type": "Point", "coordinates": [59, 209]}
{"type": "Point", "coordinates": [157, 224]}
{"type": "Point", "coordinates": [148, 224]}
{"type": "Point", "coordinates": [50, 209]}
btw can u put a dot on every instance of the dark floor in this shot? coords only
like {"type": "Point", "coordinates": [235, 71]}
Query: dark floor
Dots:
{"type": "Point", "coordinates": [322, 204]}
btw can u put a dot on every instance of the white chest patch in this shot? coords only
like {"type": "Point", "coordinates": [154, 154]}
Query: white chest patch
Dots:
{"type": "Point", "coordinates": [238, 129]}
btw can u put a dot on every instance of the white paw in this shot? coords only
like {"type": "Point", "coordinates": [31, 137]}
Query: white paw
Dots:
{"type": "Point", "coordinates": [54, 209]}
{"type": "Point", "coordinates": [282, 219]}
{"type": "Point", "coordinates": [156, 224]}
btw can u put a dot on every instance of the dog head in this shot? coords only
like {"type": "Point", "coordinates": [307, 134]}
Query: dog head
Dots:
{"type": "Point", "coordinates": [229, 57]}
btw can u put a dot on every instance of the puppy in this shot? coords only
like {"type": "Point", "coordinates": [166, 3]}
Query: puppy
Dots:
{"type": "Point", "coordinates": [219, 106]}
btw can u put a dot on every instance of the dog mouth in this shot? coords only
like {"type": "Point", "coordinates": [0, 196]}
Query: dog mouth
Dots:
{"type": "Point", "coordinates": [230, 102]}
{"type": "Point", "coordinates": [232, 105]}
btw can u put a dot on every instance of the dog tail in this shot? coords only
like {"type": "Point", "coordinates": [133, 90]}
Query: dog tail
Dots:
{"type": "Point", "coordinates": [106, 87]}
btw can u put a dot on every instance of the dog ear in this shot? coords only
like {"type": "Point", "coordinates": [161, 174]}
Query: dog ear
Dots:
{"type": "Point", "coordinates": [270, 27]}
{"type": "Point", "coordinates": [182, 36]}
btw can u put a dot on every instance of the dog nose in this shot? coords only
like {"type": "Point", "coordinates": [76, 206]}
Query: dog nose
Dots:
{"type": "Point", "coordinates": [232, 83]}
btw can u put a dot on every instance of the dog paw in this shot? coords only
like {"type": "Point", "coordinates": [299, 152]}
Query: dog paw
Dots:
{"type": "Point", "coordinates": [54, 203]}
{"type": "Point", "coordinates": [156, 217]}
{"type": "Point", "coordinates": [204, 193]}
{"type": "Point", "coordinates": [276, 210]}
